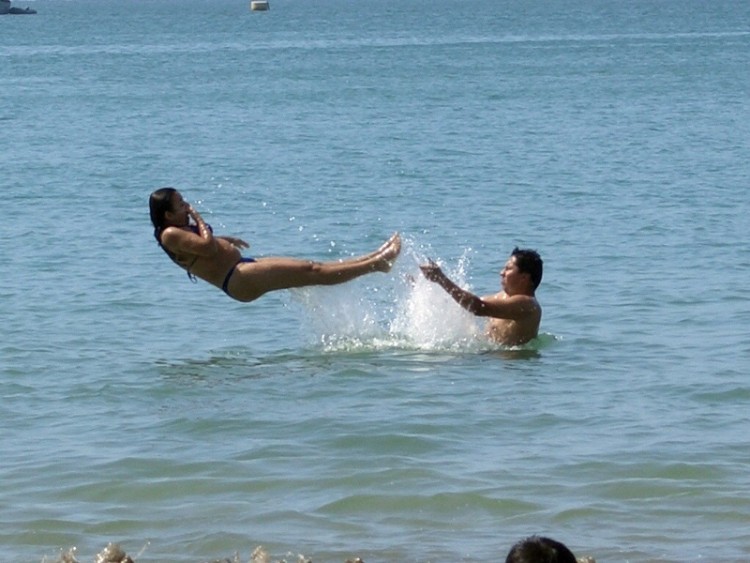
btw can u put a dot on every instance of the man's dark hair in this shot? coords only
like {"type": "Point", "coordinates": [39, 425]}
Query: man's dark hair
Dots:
{"type": "Point", "coordinates": [530, 263]}
{"type": "Point", "coordinates": [536, 549]}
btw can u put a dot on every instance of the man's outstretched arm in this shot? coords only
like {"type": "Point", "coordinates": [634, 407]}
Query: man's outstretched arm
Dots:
{"type": "Point", "coordinates": [466, 299]}
{"type": "Point", "coordinates": [516, 307]}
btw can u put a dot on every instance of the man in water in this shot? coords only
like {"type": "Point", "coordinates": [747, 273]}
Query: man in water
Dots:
{"type": "Point", "coordinates": [514, 313]}
{"type": "Point", "coordinates": [537, 549]}
{"type": "Point", "coordinates": [217, 259]}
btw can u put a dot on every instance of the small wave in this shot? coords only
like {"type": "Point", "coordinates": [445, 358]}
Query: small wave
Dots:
{"type": "Point", "coordinates": [113, 553]}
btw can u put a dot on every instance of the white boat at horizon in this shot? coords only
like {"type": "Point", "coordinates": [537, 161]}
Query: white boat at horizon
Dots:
{"type": "Point", "coordinates": [259, 5]}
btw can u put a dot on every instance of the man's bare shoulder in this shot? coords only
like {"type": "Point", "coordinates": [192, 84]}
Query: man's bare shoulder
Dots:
{"type": "Point", "coordinates": [503, 306]}
{"type": "Point", "coordinates": [499, 296]}
{"type": "Point", "coordinates": [502, 297]}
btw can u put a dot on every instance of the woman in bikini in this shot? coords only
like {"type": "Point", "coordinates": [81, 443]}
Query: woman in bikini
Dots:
{"type": "Point", "coordinates": [217, 259]}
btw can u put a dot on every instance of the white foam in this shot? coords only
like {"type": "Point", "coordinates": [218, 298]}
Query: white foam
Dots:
{"type": "Point", "coordinates": [404, 311]}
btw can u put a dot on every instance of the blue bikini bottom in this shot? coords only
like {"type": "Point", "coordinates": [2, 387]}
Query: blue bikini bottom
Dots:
{"type": "Point", "coordinates": [231, 271]}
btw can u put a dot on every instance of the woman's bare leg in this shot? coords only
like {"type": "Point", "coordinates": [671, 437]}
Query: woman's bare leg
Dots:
{"type": "Point", "coordinates": [253, 279]}
{"type": "Point", "coordinates": [395, 239]}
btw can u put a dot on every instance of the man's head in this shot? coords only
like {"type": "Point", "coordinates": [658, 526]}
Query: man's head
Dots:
{"type": "Point", "coordinates": [536, 549]}
{"type": "Point", "coordinates": [529, 262]}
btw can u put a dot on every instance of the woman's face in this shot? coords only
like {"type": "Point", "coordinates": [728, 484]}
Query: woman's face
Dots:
{"type": "Point", "coordinates": [179, 215]}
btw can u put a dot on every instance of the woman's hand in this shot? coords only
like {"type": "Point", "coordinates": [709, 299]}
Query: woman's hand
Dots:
{"type": "Point", "coordinates": [236, 242]}
{"type": "Point", "coordinates": [193, 213]}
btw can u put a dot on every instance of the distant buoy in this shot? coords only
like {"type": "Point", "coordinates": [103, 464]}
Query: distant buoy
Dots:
{"type": "Point", "coordinates": [259, 5]}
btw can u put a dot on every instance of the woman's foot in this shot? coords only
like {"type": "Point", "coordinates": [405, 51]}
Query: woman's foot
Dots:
{"type": "Point", "coordinates": [386, 255]}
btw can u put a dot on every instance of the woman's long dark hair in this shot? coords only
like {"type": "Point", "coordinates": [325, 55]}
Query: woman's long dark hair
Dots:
{"type": "Point", "coordinates": [159, 203]}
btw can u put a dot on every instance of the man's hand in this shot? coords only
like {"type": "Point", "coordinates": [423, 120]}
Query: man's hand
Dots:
{"type": "Point", "coordinates": [432, 271]}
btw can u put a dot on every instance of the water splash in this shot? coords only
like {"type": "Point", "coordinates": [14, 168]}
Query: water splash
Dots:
{"type": "Point", "coordinates": [112, 553]}
{"type": "Point", "coordinates": [406, 312]}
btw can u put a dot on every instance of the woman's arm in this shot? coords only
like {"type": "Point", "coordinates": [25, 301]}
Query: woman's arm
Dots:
{"type": "Point", "coordinates": [185, 241]}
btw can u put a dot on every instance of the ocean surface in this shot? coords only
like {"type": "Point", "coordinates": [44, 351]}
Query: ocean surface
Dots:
{"type": "Point", "coordinates": [373, 419]}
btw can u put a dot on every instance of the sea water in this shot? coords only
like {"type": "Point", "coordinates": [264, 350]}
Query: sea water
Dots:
{"type": "Point", "coordinates": [373, 420]}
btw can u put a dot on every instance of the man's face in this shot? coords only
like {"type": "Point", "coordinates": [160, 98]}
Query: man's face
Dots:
{"type": "Point", "coordinates": [512, 278]}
